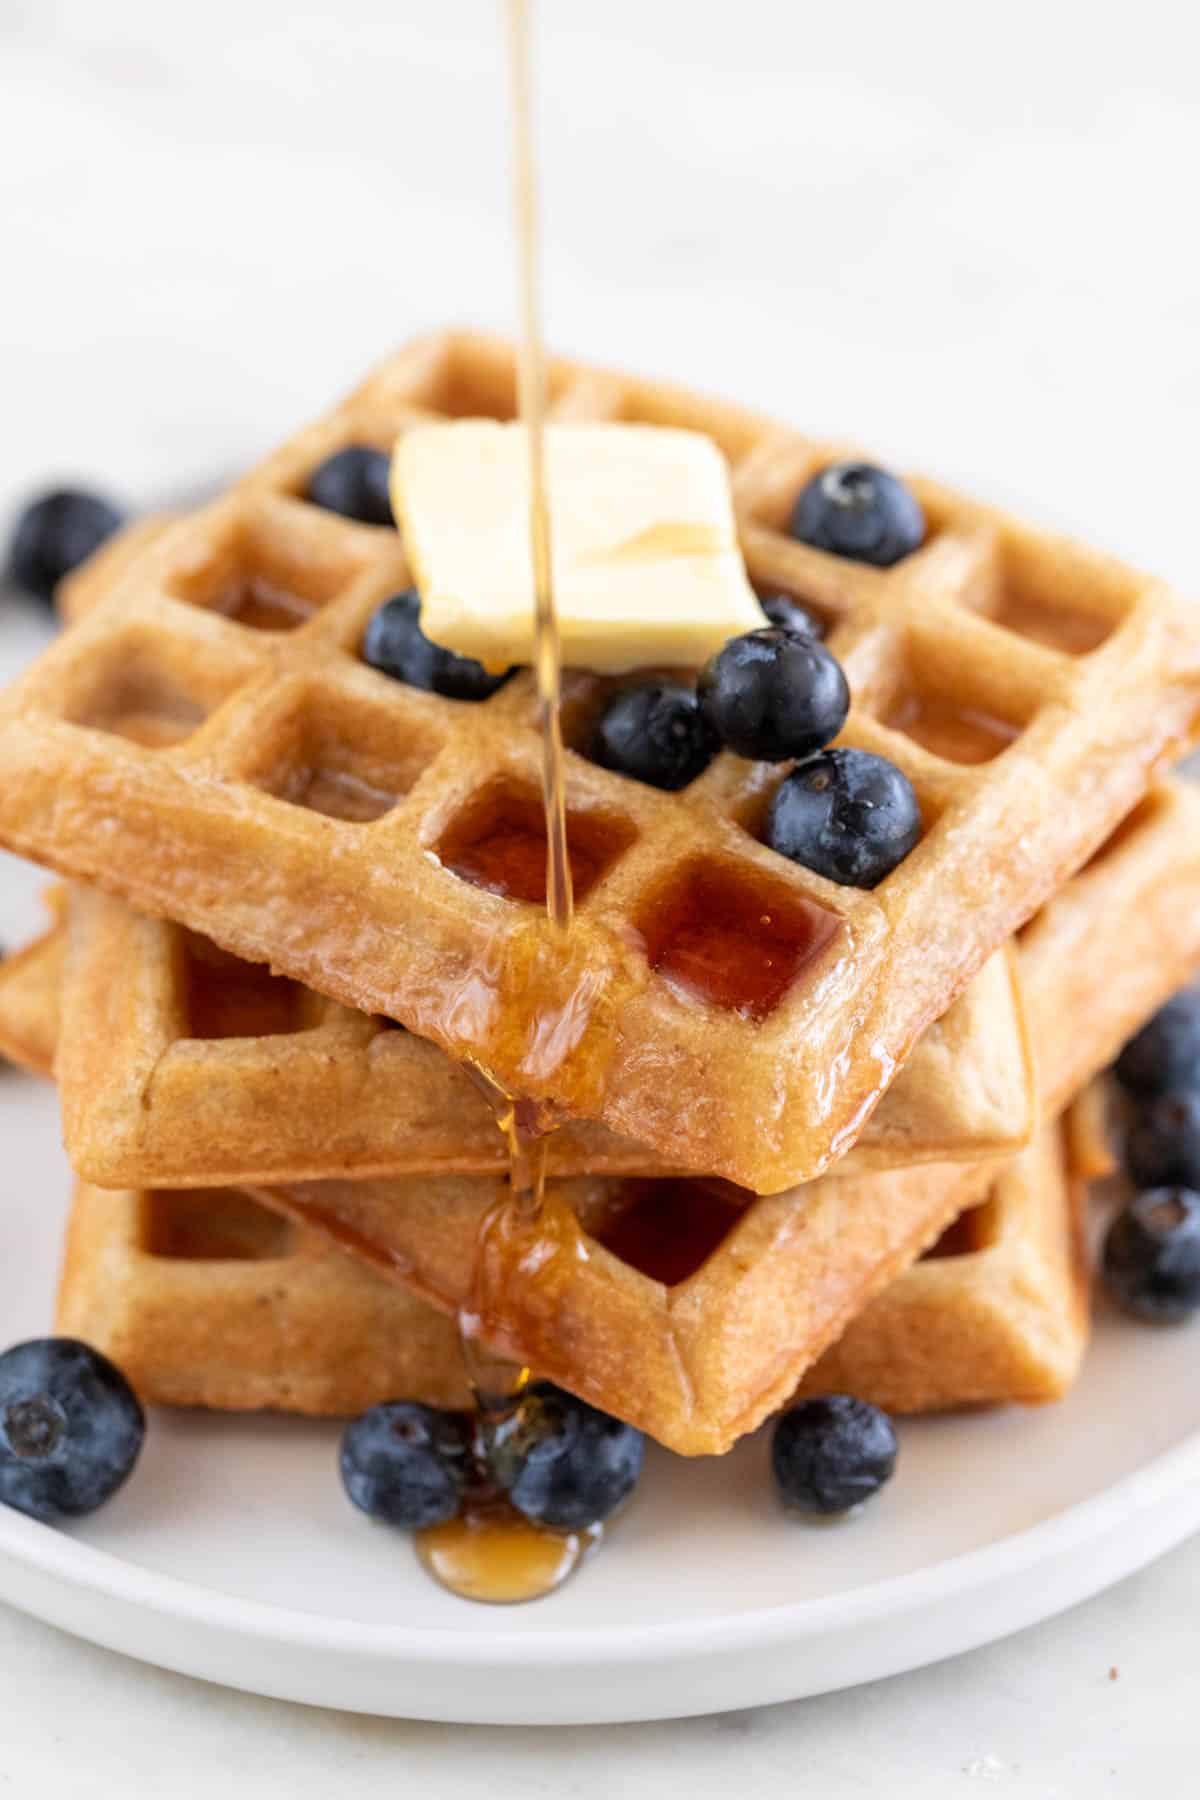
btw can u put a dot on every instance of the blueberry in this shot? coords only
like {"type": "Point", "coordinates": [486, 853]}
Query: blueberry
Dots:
{"type": "Point", "coordinates": [832, 1453]}
{"type": "Point", "coordinates": [655, 733]}
{"type": "Point", "coordinates": [847, 815]}
{"type": "Point", "coordinates": [562, 1462]}
{"type": "Point", "coordinates": [772, 694]}
{"type": "Point", "coordinates": [789, 615]}
{"type": "Point", "coordinates": [70, 1428]}
{"type": "Point", "coordinates": [1162, 1148]}
{"type": "Point", "coordinates": [854, 509]}
{"type": "Point", "coordinates": [55, 534]}
{"type": "Point", "coordinates": [1151, 1256]}
{"type": "Point", "coordinates": [395, 645]}
{"type": "Point", "coordinates": [1165, 1054]}
{"type": "Point", "coordinates": [354, 482]}
{"type": "Point", "coordinates": [407, 1464]}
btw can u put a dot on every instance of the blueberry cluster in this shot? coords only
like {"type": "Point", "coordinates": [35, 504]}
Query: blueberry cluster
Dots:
{"type": "Point", "coordinates": [778, 695]}
{"type": "Point", "coordinates": [561, 1462]}
{"type": "Point", "coordinates": [773, 695]}
{"type": "Point", "coordinates": [1151, 1257]}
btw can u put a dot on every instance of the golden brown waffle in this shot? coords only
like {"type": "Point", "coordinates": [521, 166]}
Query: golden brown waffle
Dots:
{"type": "Point", "coordinates": [693, 1309]}
{"type": "Point", "coordinates": [146, 1099]}
{"type": "Point", "coordinates": [30, 985]}
{"type": "Point", "coordinates": [180, 1066]}
{"type": "Point", "coordinates": [996, 1311]}
{"type": "Point", "coordinates": [205, 1299]}
{"type": "Point", "coordinates": [184, 748]}
{"type": "Point", "coordinates": [674, 1304]}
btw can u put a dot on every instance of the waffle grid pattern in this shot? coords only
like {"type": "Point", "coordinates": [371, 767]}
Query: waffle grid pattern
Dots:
{"type": "Point", "coordinates": [207, 1300]}
{"type": "Point", "coordinates": [265, 787]}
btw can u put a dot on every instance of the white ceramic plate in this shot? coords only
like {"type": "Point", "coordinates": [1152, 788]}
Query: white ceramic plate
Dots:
{"type": "Point", "coordinates": [232, 1554]}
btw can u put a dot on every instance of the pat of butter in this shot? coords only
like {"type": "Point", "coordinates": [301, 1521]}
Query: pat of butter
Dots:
{"type": "Point", "coordinates": [647, 569]}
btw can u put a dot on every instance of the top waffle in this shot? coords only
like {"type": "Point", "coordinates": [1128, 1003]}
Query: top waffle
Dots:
{"type": "Point", "coordinates": [208, 744]}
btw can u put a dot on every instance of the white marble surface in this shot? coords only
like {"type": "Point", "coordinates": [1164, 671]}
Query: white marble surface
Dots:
{"type": "Point", "coordinates": [965, 235]}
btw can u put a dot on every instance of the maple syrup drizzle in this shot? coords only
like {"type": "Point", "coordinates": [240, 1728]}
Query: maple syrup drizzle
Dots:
{"type": "Point", "coordinates": [489, 1552]}
{"type": "Point", "coordinates": [531, 401]}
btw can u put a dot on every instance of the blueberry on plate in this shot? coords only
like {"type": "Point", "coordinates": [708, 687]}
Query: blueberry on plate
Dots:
{"type": "Point", "coordinates": [1162, 1147]}
{"type": "Point", "coordinates": [830, 1454]}
{"type": "Point", "coordinates": [773, 694]}
{"type": "Point", "coordinates": [54, 534]}
{"type": "Point", "coordinates": [847, 815]}
{"type": "Point", "coordinates": [855, 510]}
{"type": "Point", "coordinates": [562, 1462]}
{"type": "Point", "coordinates": [406, 1464]}
{"type": "Point", "coordinates": [1165, 1054]}
{"type": "Point", "coordinates": [1151, 1258]}
{"type": "Point", "coordinates": [395, 645]}
{"type": "Point", "coordinates": [354, 483]}
{"type": "Point", "coordinates": [655, 733]}
{"type": "Point", "coordinates": [789, 615]}
{"type": "Point", "coordinates": [71, 1428]}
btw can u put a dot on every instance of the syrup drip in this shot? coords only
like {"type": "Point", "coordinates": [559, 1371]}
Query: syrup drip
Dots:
{"type": "Point", "coordinates": [490, 1552]}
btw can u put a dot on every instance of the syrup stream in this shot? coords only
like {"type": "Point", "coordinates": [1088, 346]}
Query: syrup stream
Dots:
{"type": "Point", "coordinates": [531, 377]}
{"type": "Point", "coordinates": [490, 1552]}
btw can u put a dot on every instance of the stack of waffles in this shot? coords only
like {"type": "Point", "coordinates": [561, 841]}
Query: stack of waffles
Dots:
{"type": "Point", "coordinates": [807, 1136]}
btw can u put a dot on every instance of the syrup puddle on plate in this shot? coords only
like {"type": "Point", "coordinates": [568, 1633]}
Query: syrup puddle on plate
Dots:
{"type": "Point", "coordinates": [490, 1553]}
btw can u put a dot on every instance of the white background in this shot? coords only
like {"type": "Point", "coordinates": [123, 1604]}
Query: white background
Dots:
{"type": "Point", "coordinates": [963, 234]}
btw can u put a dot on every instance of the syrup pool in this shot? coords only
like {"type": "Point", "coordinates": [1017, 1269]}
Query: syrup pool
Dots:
{"type": "Point", "coordinates": [490, 1553]}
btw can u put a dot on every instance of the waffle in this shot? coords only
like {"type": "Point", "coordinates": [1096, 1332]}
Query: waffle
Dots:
{"type": "Point", "coordinates": [207, 744]}
{"type": "Point", "coordinates": [692, 1308]}
{"type": "Point", "coordinates": [152, 1093]}
{"type": "Point", "coordinates": [205, 1299]}
{"type": "Point", "coordinates": [181, 1066]}
{"type": "Point", "coordinates": [30, 985]}
{"type": "Point", "coordinates": [996, 1311]}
